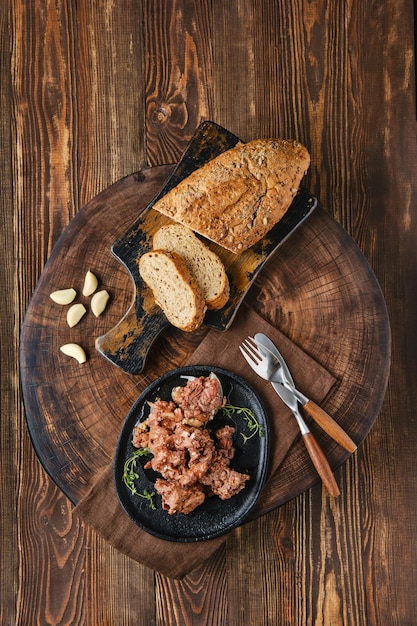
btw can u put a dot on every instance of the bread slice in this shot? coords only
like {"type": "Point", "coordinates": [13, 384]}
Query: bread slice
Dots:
{"type": "Point", "coordinates": [203, 263]}
{"type": "Point", "coordinates": [237, 197]}
{"type": "Point", "coordinates": [174, 288]}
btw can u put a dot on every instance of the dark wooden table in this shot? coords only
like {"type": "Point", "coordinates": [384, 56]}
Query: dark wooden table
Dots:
{"type": "Point", "coordinates": [93, 91]}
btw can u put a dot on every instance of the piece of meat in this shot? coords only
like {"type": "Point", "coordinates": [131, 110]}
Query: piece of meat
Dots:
{"type": "Point", "coordinates": [179, 499]}
{"type": "Point", "coordinates": [199, 399]}
{"type": "Point", "coordinates": [223, 481]}
{"type": "Point", "coordinates": [140, 438]}
{"type": "Point", "coordinates": [164, 413]}
{"type": "Point", "coordinates": [224, 445]}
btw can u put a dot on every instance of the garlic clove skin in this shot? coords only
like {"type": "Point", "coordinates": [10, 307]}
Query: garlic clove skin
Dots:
{"type": "Point", "coordinates": [99, 302]}
{"type": "Point", "coordinates": [90, 284]}
{"type": "Point", "coordinates": [75, 351]}
{"type": "Point", "coordinates": [63, 296]}
{"type": "Point", "coordinates": [75, 313]}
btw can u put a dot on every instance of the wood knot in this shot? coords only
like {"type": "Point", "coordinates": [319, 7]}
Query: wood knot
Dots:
{"type": "Point", "coordinates": [159, 115]}
{"type": "Point", "coordinates": [162, 115]}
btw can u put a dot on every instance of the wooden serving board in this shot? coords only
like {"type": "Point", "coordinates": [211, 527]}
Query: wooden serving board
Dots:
{"type": "Point", "coordinates": [128, 343]}
{"type": "Point", "coordinates": [318, 289]}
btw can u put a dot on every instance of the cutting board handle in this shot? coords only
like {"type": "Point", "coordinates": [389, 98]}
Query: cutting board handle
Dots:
{"type": "Point", "coordinates": [127, 344]}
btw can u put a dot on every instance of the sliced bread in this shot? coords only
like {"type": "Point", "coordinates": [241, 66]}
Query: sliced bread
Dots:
{"type": "Point", "coordinates": [203, 263]}
{"type": "Point", "coordinates": [237, 197]}
{"type": "Point", "coordinates": [174, 288]}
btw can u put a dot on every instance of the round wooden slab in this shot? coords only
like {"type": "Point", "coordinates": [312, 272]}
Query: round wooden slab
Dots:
{"type": "Point", "coordinates": [318, 289]}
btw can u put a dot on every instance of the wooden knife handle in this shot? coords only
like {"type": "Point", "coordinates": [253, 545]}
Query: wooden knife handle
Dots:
{"type": "Point", "coordinates": [329, 425]}
{"type": "Point", "coordinates": [321, 464]}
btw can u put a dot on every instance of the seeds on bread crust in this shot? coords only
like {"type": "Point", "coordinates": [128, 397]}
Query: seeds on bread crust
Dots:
{"type": "Point", "coordinates": [251, 184]}
{"type": "Point", "coordinates": [174, 288]}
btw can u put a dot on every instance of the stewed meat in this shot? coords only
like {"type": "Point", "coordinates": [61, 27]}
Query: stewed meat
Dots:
{"type": "Point", "coordinates": [200, 399]}
{"type": "Point", "coordinates": [221, 479]}
{"type": "Point", "coordinates": [192, 464]}
{"type": "Point", "coordinates": [178, 499]}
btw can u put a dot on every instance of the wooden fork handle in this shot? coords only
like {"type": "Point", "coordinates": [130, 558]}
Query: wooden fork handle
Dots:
{"type": "Point", "coordinates": [329, 425]}
{"type": "Point", "coordinates": [321, 464]}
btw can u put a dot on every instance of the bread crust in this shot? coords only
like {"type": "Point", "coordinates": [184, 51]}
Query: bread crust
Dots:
{"type": "Point", "coordinates": [237, 197]}
{"type": "Point", "coordinates": [160, 265]}
{"type": "Point", "coordinates": [205, 266]}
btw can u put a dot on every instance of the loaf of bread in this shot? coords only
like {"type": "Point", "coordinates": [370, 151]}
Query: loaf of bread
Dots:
{"type": "Point", "coordinates": [174, 288]}
{"type": "Point", "coordinates": [237, 197]}
{"type": "Point", "coordinates": [204, 265]}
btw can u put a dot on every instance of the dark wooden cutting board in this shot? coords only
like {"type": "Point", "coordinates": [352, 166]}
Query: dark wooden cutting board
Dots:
{"type": "Point", "coordinates": [128, 343]}
{"type": "Point", "coordinates": [318, 289]}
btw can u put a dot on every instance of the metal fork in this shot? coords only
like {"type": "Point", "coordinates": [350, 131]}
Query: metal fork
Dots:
{"type": "Point", "coordinates": [262, 365]}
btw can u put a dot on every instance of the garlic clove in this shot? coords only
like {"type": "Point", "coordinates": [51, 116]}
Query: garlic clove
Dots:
{"type": "Point", "coordinates": [63, 296]}
{"type": "Point", "coordinates": [75, 351]}
{"type": "Point", "coordinates": [99, 302]}
{"type": "Point", "coordinates": [90, 284]}
{"type": "Point", "coordinates": [75, 313]}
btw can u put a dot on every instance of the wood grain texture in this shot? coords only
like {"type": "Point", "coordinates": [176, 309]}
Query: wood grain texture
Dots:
{"type": "Point", "coordinates": [109, 59]}
{"type": "Point", "coordinates": [91, 92]}
{"type": "Point", "coordinates": [9, 403]}
{"type": "Point", "coordinates": [178, 74]}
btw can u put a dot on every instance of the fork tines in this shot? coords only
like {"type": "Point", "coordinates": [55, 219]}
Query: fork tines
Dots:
{"type": "Point", "coordinates": [250, 350]}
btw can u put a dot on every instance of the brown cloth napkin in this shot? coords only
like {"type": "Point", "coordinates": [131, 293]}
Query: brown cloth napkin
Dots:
{"type": "Point", "coordinates": [100, 508]}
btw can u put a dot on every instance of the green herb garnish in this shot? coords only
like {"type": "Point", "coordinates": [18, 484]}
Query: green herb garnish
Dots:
{"type": "Point", "coordinates": [130, 475]}
{"type": "Point", "coordinates": [149, 497]}
{"type": "Point", "coordinates": [249, 416]}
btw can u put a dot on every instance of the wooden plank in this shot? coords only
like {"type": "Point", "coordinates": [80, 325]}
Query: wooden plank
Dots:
{"type": "Point", "coordinates": [178, 68]}
{"type": "Point", "coordinates": [261, 580]}
{"type": "Point", "coordinates": [336, 34]}
{"type": "Point", "coordinates": [200, 598]}
{"type": "Point", "coordinates": [78, 128]}
{"type": "Point", "coordinates": [43, 195]}
{"type": "Point", "coordinates": [11, 417]}
{"type": "Point", "coordinates": [109, 93]}
{"type": "Point", "coordinates": [116, 589]}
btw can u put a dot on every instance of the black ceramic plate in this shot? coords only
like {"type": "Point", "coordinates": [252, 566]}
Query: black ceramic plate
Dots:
{"type": "Point", "coordinates": [214, 517]}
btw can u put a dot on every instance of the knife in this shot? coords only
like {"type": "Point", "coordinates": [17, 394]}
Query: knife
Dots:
{"type": "Point", "coordinates": [285, 387]}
